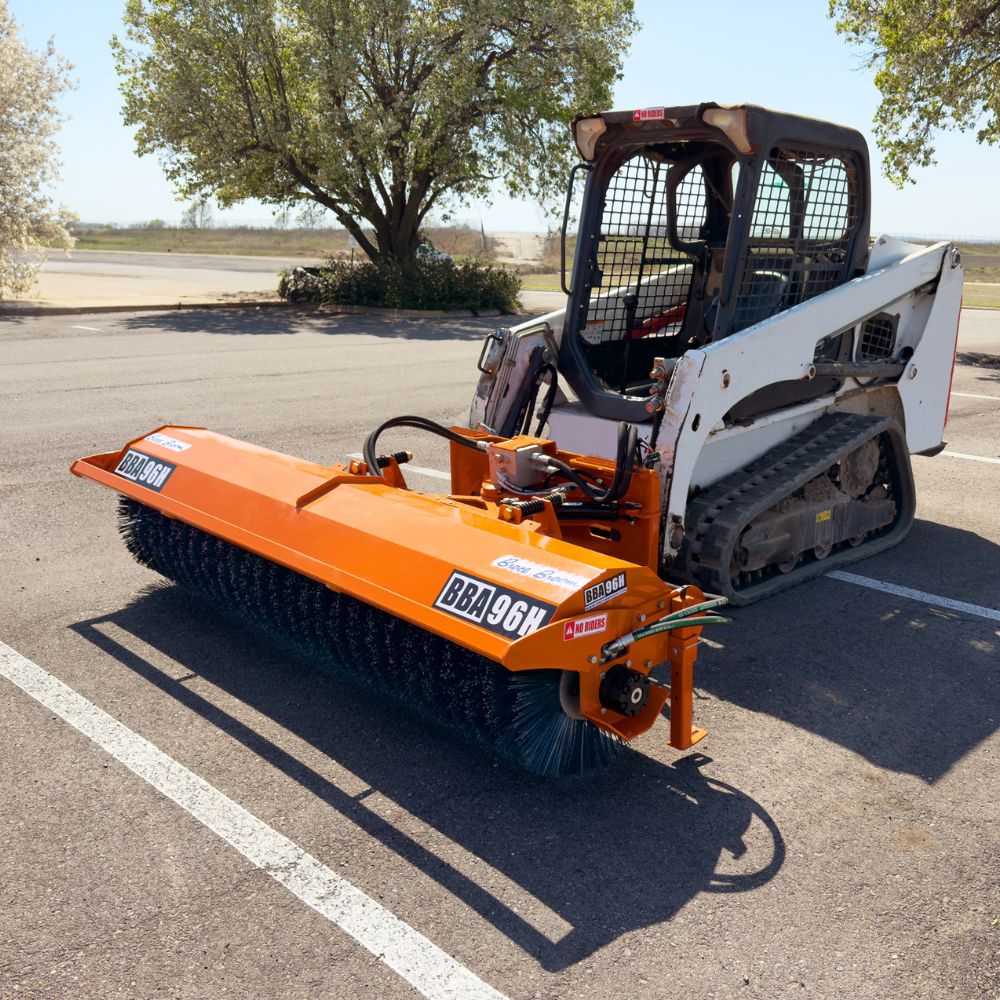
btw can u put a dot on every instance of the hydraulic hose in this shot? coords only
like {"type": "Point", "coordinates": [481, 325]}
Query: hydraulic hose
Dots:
{"type": "Point", "coordinates": [417, 423]}
{"type": "Point", "coordinates": [696, 614]}
{"type": "Point", "coordinates": [668, 626]}
{"type": "Point", "coordinates": [628, 453]}
{"type": "Point", "coordinates": [628, 446]}
{"type": "Point", "coordinates": [550, 395]}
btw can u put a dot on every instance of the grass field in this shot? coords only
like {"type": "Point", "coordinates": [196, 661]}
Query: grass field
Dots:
{"type": "Point", "coordinates": [982, 273]}
{"type": "Point", "coordinates": [548, 282]}
{"type": "Point", "coordinates": [982, 286]}
{"type": "Point", "coordinates": [310, 243]}
{"type": "Point", "coordinates": [981, 294]}
{"type": "Point", "coordinates": [979, 249]}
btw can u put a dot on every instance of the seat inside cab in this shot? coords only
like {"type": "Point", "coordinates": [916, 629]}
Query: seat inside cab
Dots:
{"type": "Point", "coordinates": [655, 267]}
{"type": "Point", "coordinates": [657, 264]}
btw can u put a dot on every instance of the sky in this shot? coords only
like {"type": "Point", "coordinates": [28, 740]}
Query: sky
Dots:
{"type": "Point", "coordinates": [783, 54]}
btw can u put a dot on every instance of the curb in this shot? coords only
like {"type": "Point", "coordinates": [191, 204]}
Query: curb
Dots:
{"type": "Point", "coordinates": [387, 313]}
{"type": "Point", "coordinates": [31, 309]}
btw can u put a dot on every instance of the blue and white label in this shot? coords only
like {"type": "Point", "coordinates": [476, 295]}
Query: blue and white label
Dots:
{"type": "Point", "coordinates": [165, 441]}
{"type": "Point", "coordinates": [544, 574]}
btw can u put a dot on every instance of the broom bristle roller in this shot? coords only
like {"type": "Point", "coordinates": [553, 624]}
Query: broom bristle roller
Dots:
{"type": "Point", "coordinates": [516, 715]}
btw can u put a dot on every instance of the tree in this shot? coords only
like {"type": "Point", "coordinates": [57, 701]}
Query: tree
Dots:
{"type": "Point", "coordinates": [30, 83]}
{"type": "Point", "coordinates": [311, 215]}
{"type": "Point", "coordinates": [378, 110]}
{"type": "Point", "coordinates": [198, 215]}
{"type": "Point", "coordinates": [937, 65]}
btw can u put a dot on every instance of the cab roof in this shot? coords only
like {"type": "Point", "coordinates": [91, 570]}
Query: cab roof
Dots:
{"type": "Point", "coordinates": [750, 130]}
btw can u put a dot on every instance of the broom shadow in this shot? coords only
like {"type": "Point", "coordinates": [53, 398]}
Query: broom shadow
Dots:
{"type": "Point", "coordinates": [604, 855]}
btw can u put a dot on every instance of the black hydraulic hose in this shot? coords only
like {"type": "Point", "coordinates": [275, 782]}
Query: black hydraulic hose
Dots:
{"type": "Point", "coordinates": [550, 396]}
{"type": "Point", "coordinates": [529, 408]}
{"type": "Point", "coordinates": [628, 444]}
{"type": "Point", "coordinates": [417, 423]}
{"type": "Point", "coordinates": [574, 477]}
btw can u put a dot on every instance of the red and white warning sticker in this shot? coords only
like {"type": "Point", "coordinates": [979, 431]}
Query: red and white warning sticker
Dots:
{"type": "Point", "coordinates": [647, 114]}
{"type": "Point", "coordinates": [585, 626]}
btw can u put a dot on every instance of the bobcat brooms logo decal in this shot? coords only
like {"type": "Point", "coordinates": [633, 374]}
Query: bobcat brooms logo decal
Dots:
{"type": "Point", "coordinates": [490, 606]}
{"type": "Point", "coordinates": [149, 472]}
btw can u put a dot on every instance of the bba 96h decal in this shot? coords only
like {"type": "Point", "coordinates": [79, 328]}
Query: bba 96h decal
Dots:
{"type": "Point", "coordinates": [604, 591]}
{"type": "Point", "coordinates": [492, 607]}
{"type": "Point", "coordinates": [152, 473]}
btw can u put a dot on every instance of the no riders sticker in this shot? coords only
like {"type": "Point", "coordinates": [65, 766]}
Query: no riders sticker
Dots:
{"type": "Point", "coordinates": [593, 625]}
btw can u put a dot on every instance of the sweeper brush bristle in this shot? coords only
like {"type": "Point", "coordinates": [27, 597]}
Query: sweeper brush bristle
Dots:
{"type": "Point", "coordinates": [518, 715]}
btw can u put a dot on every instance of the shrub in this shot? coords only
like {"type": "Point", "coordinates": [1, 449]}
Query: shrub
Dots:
{"type": "Point", "coordinates": [417, 284]}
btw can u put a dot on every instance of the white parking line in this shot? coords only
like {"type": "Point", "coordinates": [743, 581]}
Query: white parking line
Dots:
{"type": "Point", "coordinates": [915, 595]}
{"type": "Point", "coordinates": [971, 458]}
{"type": "Point", "coordinates": [974, 395]}
{"type": "Point", "coordinates": [92, 329]}
{"type": "Point", "coordinates": [427, 968]}
{"type": "Point", "coordinates": [436, 473]}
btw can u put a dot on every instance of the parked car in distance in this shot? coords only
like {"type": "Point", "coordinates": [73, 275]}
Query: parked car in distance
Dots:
{"type": "Point", "coordinates": [428, 252]}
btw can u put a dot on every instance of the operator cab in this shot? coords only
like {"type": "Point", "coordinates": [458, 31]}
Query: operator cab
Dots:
{"type": "Point", "coordinates": [696, 223]}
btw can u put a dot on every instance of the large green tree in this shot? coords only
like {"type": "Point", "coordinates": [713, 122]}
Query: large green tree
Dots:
{"type": "Point", "coordinates": [30, 85]}
{"type": "Point", "coordinates": [379, 110]}
{"type": "Point", "coordinates": [937, 65]}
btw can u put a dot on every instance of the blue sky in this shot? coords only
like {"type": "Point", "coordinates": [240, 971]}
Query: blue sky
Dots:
{"type": "Point", "coordinates": [782, 54]}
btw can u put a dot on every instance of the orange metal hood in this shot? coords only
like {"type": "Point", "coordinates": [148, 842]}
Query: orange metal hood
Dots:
{"type": "Point", "coordinates": [388, 546]}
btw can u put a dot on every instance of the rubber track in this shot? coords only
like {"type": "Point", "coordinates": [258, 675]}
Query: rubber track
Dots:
{"type": "Point", "coordinates": [517, 716]}
{"type": "Point", "coordinates": [718, 516]}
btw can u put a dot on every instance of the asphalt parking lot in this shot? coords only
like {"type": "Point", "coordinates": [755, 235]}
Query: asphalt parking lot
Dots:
{"type": "Point", "coordinates": [836, 835]}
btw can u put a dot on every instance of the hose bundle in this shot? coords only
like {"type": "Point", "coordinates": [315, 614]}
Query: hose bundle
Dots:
{"type": "Point", "coordinates": [628, 454]}
{"type": "Point", "coordinates": [418, 423]}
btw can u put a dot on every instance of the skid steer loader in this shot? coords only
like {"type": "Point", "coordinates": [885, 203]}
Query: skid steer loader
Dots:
{"type": "Point", "coordinates": [725, 299]}
{"type": "Point", "coordinates": [727, 404]}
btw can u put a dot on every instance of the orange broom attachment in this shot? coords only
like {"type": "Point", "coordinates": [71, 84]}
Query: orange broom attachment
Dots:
{"type": "Point", "coordinates": [503, 583]}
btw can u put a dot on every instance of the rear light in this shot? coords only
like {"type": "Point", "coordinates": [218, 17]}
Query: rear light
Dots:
{"type": "Point", "coordinates": [954, 355]}
{"type": "Point", "coordinates": [733, 122]}
{"type": "Point", "coordinates": [586, 132]}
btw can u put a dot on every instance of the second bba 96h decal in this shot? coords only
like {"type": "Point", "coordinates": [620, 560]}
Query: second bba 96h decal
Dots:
{"type": "Point", "coordinates": [604, 590]}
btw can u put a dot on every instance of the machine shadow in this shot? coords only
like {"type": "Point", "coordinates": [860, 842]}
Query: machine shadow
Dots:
{"type": "Point", "coordinates": [908, 686]}
{"type": "Point", "coordinates": [986, 366]}
{"type": "Point", "coordinates": [300, 319]}
{"type": "Point", "coordinates": [11, 317]}
{"type": "Point", "coordinates": [577, 846]}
